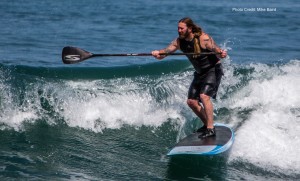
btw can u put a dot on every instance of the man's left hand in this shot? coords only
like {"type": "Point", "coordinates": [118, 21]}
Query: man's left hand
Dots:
{"type": "Point", "coordinates": [223, 54]}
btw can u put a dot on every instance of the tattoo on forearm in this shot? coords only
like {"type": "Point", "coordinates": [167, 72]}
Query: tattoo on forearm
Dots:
{"type": "Point", "coordinates": [172, 47]}
{"type": "Point", "coordinates": [167, 50]}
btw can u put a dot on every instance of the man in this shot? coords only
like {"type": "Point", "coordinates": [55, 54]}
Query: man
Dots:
{"type": "Point", "coordinates": [208, 70]}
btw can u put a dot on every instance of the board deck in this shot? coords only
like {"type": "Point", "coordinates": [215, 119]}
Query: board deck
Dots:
{"type": "Point", "coordinates": [208, 146]}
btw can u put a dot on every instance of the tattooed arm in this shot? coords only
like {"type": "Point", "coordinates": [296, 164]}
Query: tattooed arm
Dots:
{"type": "Point", "coordinates": [210, 44]}
{"type": "Point", "coordinates": [169, 49]}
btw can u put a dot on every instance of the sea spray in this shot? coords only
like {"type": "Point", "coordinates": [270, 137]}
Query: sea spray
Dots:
{"type": "Point", "coordinates": [268, 138]}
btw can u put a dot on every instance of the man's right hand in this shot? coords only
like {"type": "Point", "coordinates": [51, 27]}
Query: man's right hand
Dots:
{"type": "Point", "coordinates": [156, 54]}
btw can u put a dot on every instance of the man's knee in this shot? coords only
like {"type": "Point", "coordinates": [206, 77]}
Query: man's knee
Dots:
{"type": "Point", "coordinates": [192, 103]}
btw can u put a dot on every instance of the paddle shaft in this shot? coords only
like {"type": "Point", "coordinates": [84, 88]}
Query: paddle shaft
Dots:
{"type": "Point", "coordinates": [148, 54]}
{"type": "Point", "coordinates": [72, 55]}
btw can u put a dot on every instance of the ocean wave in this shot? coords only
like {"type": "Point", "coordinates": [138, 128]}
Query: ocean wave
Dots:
{"type": "Point", "coordinates": [267, 137]}
{"type": "Point", "coordinates": [259, 101]}
{"type": "Point", "coordinates": [83, 73]}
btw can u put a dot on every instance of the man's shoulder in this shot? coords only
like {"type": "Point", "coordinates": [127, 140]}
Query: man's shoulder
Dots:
{"type": "Point", "coordinates": [204, 36]}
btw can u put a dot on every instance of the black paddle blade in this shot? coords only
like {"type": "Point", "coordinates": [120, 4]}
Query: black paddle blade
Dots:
{"type": "Point", "coordinates": [71, 55]}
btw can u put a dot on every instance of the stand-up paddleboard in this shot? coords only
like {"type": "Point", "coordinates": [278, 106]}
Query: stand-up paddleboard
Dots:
{"type": "Point", "coordinates": [192, 145]}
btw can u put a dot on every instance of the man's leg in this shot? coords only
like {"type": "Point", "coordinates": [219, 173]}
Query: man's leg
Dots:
{"type": "Point", "coordinates": [208, 108]}
{"type": "Point", "coordinates": [198, 110]}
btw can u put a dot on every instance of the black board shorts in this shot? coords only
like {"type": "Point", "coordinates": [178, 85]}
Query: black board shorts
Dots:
{"type": "Point", "coordinates": [207, 83]}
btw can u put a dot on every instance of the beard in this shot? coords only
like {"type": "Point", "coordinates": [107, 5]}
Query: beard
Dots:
{"type": "Point", "coordinates": [183, 35]}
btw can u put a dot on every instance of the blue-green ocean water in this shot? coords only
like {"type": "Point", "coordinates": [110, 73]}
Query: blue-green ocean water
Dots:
{"type": "Point", "coordinates": [116, 118]}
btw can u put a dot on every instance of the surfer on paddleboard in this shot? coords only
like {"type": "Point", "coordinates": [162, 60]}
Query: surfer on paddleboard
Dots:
{"type": "Point", "coordinates": [208, 70]}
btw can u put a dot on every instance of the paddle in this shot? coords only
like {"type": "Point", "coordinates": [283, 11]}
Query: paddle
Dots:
{"type": "Point", "coordinates": [71, 55]}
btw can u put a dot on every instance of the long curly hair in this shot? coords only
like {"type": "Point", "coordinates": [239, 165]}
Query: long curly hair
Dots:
{"type": "Point", "coordinates": [197, 30]}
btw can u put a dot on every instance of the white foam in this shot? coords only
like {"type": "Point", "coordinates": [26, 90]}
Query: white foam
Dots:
{"type": "Point", "coordinates": [106, 112]}
{"type": "Point", "coordinates": [270, 137]}
{"type": "Point", "coordinates": [11, 116]}
{"type": "Point", "coordinates": [131, 103]}
{"type": "Point", "coordinates": [15, 118]}
{"type": "Point", "coordinates": [98, 104]}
